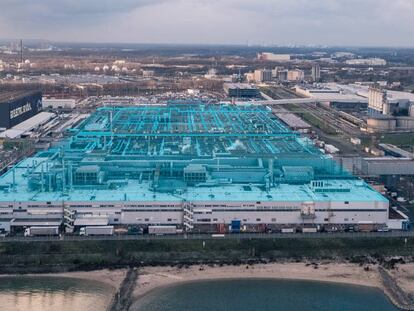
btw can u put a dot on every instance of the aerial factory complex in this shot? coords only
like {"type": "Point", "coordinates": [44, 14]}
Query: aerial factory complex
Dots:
{"type": "Point", "coordinates": [193, 166]}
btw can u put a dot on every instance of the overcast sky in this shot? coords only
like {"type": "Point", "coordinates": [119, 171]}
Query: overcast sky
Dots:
{"type": "Point", "coordinates": [322, 22]}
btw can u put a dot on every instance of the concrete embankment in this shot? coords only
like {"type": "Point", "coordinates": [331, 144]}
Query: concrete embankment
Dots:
{"type": "Point", "coordinates": [122, 299]}
{"type": "Point", "coordinates": [394, 292]}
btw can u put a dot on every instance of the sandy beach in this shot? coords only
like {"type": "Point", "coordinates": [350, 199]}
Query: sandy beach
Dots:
{"type": "Point", "coordinates": [151, 278]}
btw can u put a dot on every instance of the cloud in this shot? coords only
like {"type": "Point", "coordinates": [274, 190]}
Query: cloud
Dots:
{"type": "Point", "coordinates": [71, 9]}
{"type": "Point", "coordinates": [333, 22]}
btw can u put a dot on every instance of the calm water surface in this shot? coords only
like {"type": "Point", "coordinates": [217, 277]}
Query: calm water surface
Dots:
{"type": "Point", "coordinates": [26, 293]}
{"type": "Point", "coordinates": [263, 295]}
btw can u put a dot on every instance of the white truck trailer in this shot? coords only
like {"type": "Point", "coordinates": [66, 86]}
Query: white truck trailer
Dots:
{"type": "Point", "coordinates": [162, 230]}
{"type": "Point", "coordinates": [42, 231]}
{"type": "Point", "coordinates": [96, 230]}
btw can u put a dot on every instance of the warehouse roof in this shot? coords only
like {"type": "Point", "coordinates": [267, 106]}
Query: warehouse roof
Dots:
{"type": "Point", "coordinates": [239, 86]}
{"type": "Point", "coordinates": [292, 120]}
{"type": "Point", "coordinates": [35, 222]}
{"type": "Point", "coordinates": [8, 96]}
{"type": "Point", "coordinates": [143, 153]}
{"type": "Point", "coordinates": [353, 190]}
{"type": "Point", "coordinates": [28, 125]}
{"type": "Point", "coordinates": [91, 221]}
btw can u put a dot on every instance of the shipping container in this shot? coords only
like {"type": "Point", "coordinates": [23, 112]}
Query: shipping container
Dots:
{"type": "Point", "coordinates": [235, 225]}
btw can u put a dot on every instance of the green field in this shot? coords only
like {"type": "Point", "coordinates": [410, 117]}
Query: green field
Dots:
{"type": "Point", "coordinates": [401, 140]}
{"type": "Point", "coordinates": [312, 119]}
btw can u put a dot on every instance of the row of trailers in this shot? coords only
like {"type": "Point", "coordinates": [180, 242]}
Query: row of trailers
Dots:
{"type": "Point", "coordinates": [101, 230]}
{"type": "Point", "coordinates": [159, 230]}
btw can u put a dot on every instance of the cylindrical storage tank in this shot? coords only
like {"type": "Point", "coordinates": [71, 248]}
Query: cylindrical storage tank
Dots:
{"type": "Point", "coordinates": [411, 110]}
{"type": "Point", "coordinates": [382, 124]}
{"type": "Point", "coordinates": [405, 123]}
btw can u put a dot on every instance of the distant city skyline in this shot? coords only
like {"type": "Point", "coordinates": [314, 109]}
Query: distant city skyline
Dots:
{"type": "Point", "coordinates": [282, 22]}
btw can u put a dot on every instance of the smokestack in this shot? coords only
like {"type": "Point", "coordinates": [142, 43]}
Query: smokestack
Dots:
{"type": "Point", "coordinates": [21, 51]}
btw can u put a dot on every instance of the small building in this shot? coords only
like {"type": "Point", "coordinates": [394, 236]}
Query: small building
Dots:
{"type": "Point", "coordinates": [397, 220]}
{"type": "Point", "coordinates": [18, 224]}
{"type": "Point", "coordinates": [56, 103]}
{"type": "Point", "coordinates": [262, 75]}
{"type": "Point", "coordinates": [241, 90]}
{"type": "Point", "coordinates": [293, 121]}
{"type": "Point", "coordinates": [295, 75]}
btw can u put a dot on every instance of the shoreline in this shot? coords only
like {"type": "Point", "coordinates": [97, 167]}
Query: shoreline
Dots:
{"type": "Point", "coordinates": [111, 278]}
{"type": "Point", "coordinates": [154, 278]}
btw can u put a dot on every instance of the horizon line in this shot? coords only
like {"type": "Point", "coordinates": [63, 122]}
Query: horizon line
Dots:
{"type": "Point", "coordinates": [247, 45]}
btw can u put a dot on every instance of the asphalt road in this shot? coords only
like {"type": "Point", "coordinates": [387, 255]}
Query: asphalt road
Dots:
{"type": "Point", "coordinates": [319, 235]}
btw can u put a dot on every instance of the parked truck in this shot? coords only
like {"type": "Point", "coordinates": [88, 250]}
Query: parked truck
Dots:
{"type": "Point", "coordinates": [162, 230]}
{"type": "Point", "coordinates": [366, 226]}
{"type": "Point", "coordinates": [42, 231]}
{"type": "Point", "coordinates": [96, 230]}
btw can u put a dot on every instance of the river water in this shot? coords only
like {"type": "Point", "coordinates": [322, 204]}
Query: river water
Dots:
{"type": "Point", "coordinates": [263, 295]}
{"type": "Point", "coordinates": [27, 293]}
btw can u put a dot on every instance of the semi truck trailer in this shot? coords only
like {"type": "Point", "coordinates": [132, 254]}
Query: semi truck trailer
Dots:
{"type": "Point", "coordinates": [96, 230]}
{"type": "Point", "coordinates": [161, 230]}
{"type": "Point", "coordinates": [42, 231]}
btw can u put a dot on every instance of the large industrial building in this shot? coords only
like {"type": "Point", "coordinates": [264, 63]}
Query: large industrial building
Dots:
{"type": "Point", "coordinates": [266, 56]}
{"type": "Point", "coordinates": [366, 62]}
{"type": "Point", "coordinates": [16, 107]}
{"type": "Point", "coordinates": [199, 167]}
{"type": "Point", "coordinates": [390, 111]}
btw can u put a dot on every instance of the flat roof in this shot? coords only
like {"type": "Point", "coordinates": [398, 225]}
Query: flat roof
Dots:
{"type": "Point", "coordinates": [11, 133]}
{"type": "Point", "coordinates": [8, 96]}
{"type": "Point", "coordinates": [91, 221]}
{"type": "Point", "coordinates": [28, 125]}
{"type": "Point", "coordinates": [291, 119]}
{"type": "Point", "coordinates": [142, 154]}
{"type": "Point", "coordinates": [136, 191]}
{"type": "Point", "coordinates": [239, 86]}
{"type": "Point", "coordinates": [363, 91]}
{"type": "Point", "coordinates": [35, 222]}
{"type": "Point", "coordinates": [391, 148]}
